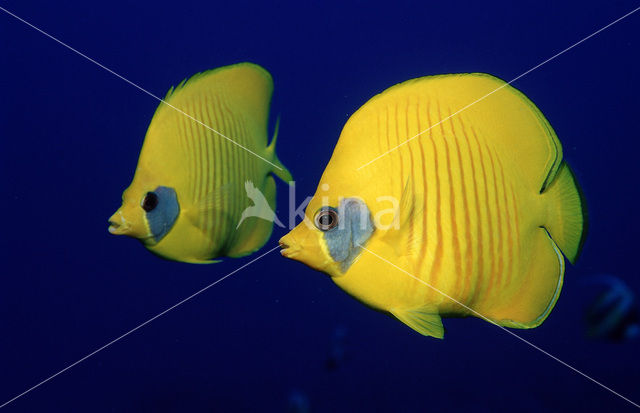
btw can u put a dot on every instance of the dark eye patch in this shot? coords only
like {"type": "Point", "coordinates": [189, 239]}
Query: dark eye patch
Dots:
{"type": "Point", "coordinates": [150, 201]}
{"type": "Point", "coordinates": [161, 210]}
{"type": "Point", "coordinates": [344, 242]}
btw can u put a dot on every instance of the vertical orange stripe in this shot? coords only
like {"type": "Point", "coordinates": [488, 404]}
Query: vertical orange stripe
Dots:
{"type": "Point", "coordinates": [516, 216]}
{"type": "Point", "coordinates": [195, 156]}
{"type": "Point", "coordinates": [213, 141]}
{"type": "Point", "coordinates": [197, 153]}
{"type": "Point", "coordinates": [381, 148]}
{"type": "Point", "coordinates": [469, 276]}
{"type": "Point", "coordinates": [235, 167]}
{"type": "Point", "coordinates": [509, 257]}
{"type": "Point", "coordinates": [478, 218]}
{"type": "Point", "coordinates": [188, 139]}
{"type": "Point", "coordinates": [457, 259]}
{"type": "Point", "coordinates": [246, 169]}
{"type": "Point", "coordinates": [411, 177]}
{"type": "Point", "coordinates": [388, 130]}
{"type": "Point", "coordinates": [226, 165]}
{"type": "Point", "coordinates": [232, 166]}
{"type": "Point", "coordinates": [498, 208]}
{"type": "Point", "coordinates": [221, 227]}
{"type": "Point", "coordinates": [437, 259]}
{"type": "Point", "coordinates": [206, 137]}
{"type": "Point", "coordinates": [487, 209]}
{"type": "Point", "coordinates": [201, 133]}
{"type": "Point", "coordinates": [219, 171]}
{"type": "Point", "coordinates": [386, 127]}
{"type": "Point", "coordinates": [399, 153]}
{"type": "Point", "coordinates": [425, 238]}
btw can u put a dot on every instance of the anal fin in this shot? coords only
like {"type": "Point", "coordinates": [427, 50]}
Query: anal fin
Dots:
{"type": "Point", "coordinates": [532, 294]}
{"type": "Point", "coordinates": [425, 322]}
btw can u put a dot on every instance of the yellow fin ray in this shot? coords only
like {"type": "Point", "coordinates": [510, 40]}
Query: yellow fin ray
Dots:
{"type": "Point", "coordinates": [537, 291]}
{"type": "Point", "coordinates": [213, 202]}
{"type": "Point", "coordinates": [405, 242]}
{"type": "Point", "coordinates": [282, 173]}
{"type": "Point", "coordinates": [425, 321]}
{"type": "Point", "coordinates": [567, 216]}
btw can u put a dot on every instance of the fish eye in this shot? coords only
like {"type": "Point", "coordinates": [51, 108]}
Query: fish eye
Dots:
{"type": "Point", "coordinates": [326, 219]}
{"type": "Point", "coordinates": [150, 201]}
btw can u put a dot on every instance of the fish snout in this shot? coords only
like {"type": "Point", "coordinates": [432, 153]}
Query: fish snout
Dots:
{"type": "Point", "coordinates": [289, 247]}
{"type": "Point", "coordinates": [117, 224]}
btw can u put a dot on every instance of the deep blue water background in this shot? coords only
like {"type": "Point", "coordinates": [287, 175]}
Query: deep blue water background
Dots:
{"type": "Point", "coordinates": [70, 134]}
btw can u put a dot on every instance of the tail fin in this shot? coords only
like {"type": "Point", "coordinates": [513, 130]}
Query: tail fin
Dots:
{"type": "Point", "coordinates": [567, 222]}
{"type": "Point", "coordinates": [281, 171]}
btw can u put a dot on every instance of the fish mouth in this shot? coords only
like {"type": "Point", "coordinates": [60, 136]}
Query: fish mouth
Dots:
{"type": "Point", "coordinates": [117, 229]}
{"type": "Point", "coordinates": [117, 224]}
{"type": "Point", "coordinates": [287, 250]}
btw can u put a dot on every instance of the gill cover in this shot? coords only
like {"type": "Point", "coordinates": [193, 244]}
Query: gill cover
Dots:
{"type": "Point", "coordinates": [353, 230]}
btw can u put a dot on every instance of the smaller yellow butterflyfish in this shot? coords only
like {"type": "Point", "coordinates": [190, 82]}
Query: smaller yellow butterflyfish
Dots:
{"type": "Point", "coordinates": [205, 151]}
{"type": "Point", "coordinates": [446, 196]}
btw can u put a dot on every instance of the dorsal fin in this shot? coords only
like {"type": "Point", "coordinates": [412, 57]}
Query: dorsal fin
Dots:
{"type": "Point", "coordinates": [243, 88]}
{"type": "Point", "coordinates": [480, 101]}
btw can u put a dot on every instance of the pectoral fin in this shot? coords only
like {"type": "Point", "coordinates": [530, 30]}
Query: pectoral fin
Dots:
{"type": "Point", "coordinates": [211, 203]}
{"type": "Point", "coordinates": [425, 322]}
{"type": "Point", "coordinates": [214, 200]}
{"type": "Point", "coordinates": [405, 242]}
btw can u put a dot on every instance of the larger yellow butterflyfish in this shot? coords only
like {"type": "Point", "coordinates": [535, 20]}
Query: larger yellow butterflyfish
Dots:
{"type": "Point", "coordinates": [470, 217]}
{"type": "Point", "coordinates": [206, 145]}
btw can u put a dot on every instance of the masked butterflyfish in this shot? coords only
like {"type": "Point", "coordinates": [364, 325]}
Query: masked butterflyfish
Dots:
{"type": "Point", "coordinates": [446, 196]}
{"type": "Point", "coordinates": [206, 143]}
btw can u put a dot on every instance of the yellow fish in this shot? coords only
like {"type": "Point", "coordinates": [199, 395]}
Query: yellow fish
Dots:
{"type": "Point", "coordinates": [206, 143]}
{"type": "Point", "coordinates": [471, 217]}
